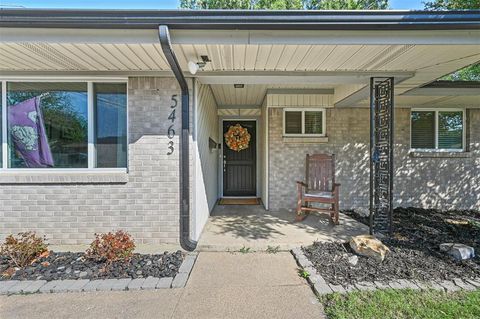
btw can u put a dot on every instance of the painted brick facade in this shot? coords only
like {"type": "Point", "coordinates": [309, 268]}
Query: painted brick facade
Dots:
{"type": "Point", "coordinates": [442, 182]}
{"type": "Point", "coordinates": [144, 202]}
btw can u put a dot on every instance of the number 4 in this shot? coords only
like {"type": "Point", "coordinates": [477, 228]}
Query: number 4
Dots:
{"type": "Point", "coordinates": [172, 116]}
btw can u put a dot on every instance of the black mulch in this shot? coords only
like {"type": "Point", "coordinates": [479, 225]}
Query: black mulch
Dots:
{"type": "Point", "coordinates": [414, 249]}
{"type": "Point", "coordinates": [68, 265]}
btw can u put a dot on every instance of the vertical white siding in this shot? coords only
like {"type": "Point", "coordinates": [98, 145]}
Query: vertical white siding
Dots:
{"type": "Point", "coordinates": [264, 154]}
{"type": "Point", "coordinates": [206, 160]}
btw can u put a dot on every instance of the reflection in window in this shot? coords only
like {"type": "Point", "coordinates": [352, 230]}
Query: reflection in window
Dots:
{"type": "Point", "coordinates": [111, 124]}
{"type": "Point", "coordinates": [450, 130]}
{"type": "Point", "coordinates": [293, 122]}
{"type": "Point", "coordinates": [441, 130]}
{"type": "Point", "coordinates": [47, 125]}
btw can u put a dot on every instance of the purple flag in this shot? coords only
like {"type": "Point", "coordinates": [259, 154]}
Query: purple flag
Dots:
{"type": "Point", "coordinates": [25, 123]}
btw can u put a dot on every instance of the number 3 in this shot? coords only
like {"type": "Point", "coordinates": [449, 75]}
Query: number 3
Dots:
{"type": "Point", "coordinates": [170, 148]}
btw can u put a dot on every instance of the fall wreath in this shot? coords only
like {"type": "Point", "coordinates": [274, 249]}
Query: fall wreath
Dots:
{"type": "Point", "coordinates": [237, 138]}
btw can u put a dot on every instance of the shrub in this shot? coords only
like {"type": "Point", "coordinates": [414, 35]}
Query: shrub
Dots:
{"type": "Point", "coordinates": [111, 247]}
{"type": "Point", "coordinates": [23, 248]}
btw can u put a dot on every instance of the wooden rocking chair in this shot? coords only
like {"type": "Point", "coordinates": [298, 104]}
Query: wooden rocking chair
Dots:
{"type": "Point", "coordinates": [319, 187]}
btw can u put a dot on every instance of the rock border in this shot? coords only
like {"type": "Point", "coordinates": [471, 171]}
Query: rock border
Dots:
{"type": "Point", "coordinates": [321, 287]}
{"type": "Point", "coordinates": [11, 287]}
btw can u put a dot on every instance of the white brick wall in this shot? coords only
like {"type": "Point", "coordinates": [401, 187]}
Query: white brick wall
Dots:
{"type": "Point", "coordinates": [443, 183]}
{"type": "Point", "coordinates": [146, 205]}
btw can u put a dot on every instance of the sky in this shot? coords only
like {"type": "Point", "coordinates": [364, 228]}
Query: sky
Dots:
{"type": "Point", "coordinates": [145, 4]}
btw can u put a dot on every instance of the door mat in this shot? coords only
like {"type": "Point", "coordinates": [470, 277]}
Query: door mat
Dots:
{"type": "Point", "coordinates": [239, 201]}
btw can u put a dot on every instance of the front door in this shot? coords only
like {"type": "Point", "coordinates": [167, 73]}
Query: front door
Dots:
{"type": "Point", "coordinates": [239, 166]}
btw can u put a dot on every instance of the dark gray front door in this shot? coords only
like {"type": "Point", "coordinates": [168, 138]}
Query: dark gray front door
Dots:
{"type": "Point", "coordinates": [239, 168]}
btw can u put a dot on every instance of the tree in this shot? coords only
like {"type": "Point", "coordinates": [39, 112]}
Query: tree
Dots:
{"type": "Point", "coordinates": [452, 4]}
{"type": "Point", "coordinates": [347, 4]}
{"type": "Point", "coordinates": [285, 4]}
{"type": "Point", "coordinates": [470, 73]}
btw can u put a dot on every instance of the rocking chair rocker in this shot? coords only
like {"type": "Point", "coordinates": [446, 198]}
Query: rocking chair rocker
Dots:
{"type": "Point", "coordinates": [319, 187]}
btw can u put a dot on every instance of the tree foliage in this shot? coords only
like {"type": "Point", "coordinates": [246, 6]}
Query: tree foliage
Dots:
{"type": "Point", "coordinates": [285, 4]}
{"type": "Point", "coordinates": [452, 4]}
{"type": "Point", "coordinates": [470, 73]}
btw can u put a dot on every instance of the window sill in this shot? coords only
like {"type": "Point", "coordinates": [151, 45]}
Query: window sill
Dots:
{"type": "Point", "coordinates": [49, 176]}
{"type": "Point", "coordinates": [440, 154]}
{"type": "Point", "coordinates": [305, 139]}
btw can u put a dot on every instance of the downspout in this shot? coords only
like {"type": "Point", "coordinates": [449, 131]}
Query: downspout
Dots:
{"type": "Point", "coordinates": [185, 240]}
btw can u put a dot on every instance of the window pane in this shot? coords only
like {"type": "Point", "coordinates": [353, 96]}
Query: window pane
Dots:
{"type": "Point", "coordinates": [313, 122]}
{"type": "Point", "coordinates": [450, 130]}
{"type": "Point", "coordinates": [423, 129]}
{"type": "Point", "coordinates": [293, 122]}
{"type": "Point", "coordinates": [111, 124]}
{"type": "Point", "coordinates": [47, 125]}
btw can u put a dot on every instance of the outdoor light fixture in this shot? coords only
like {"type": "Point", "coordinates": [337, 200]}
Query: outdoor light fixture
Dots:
{"type": "Point", "coordinates": [193, 67]}
{"type": "Point", "coordinates": [239, 86]}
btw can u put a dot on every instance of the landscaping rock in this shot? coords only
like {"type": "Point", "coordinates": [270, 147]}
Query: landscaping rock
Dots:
{"type": "Point", "coordinates": [337, 288]}
{"type": "Point", "coordinates": [353, 260]}
{"type": "Point", "coordinates": [463, 284]}
{"type": "Point", "coordinates": [369, 286]}
{"type": "Point", "coordinates": [165, 282]}
{"type": "Point", "coordinates": [136, 284]}
{"type": "Point", "coordinates": [449, 285]}
{"type": "Point", "coordinates": [458, 251]}
{"type": "Point", "coordinates": [369, 246]}
{"type": "Point", "coordinates": [322, 288]}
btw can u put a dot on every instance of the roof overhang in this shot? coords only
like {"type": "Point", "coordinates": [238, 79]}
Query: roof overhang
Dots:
{"type": "Point", "coordinates": [242, 19]}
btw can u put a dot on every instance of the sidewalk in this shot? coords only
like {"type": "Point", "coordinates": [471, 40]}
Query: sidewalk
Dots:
{"type": "Point", "coordinates": [222, 285]}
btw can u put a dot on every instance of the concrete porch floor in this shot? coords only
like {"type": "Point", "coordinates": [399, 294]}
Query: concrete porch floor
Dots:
{"type": "Point", "coordinates": [232, 227]}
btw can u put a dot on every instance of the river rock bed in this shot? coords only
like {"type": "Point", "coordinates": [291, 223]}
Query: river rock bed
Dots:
{"type": "Point", "coordinates": [414, 246]}
{"type": "Point", "coordinates": [69, 265]}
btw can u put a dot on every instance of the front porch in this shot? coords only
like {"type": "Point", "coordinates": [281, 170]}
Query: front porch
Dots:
{"type": "Point", "coordinates": [233, 227]}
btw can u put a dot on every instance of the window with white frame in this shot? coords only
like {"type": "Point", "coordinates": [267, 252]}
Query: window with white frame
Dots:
{"type": "Point", "coordinates": [304, 122]}
{"type": "Point", "coordinates": [68, 125]}
{"type": "Point", "coordinates": [438, 129]}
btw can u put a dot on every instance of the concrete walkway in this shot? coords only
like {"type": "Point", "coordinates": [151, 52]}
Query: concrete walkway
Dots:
{"type": "Point", "coordinates": [222, 285]}
{"type": "Point", "coordinates": [232, 227]}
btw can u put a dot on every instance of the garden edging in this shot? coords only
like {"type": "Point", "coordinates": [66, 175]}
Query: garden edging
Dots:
{"type": "Point", "coordinates": [321, 287]}
{"type": "Point", "coordinates": [10, 287]}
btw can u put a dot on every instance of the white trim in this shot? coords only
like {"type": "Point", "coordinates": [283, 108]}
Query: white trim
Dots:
{"type": "Point", "coordinates": [303, 110]}
{"type": "Point", "coordinates": [436, 111]}
{"type": "Point", "coordinates": [4, 126]}
{"type": "Point", "coordinates": [266, 150]}
{"type": "Point", "coordinates": [91, 168]}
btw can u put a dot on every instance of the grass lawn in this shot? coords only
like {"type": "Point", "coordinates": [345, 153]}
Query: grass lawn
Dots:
{"type": "Point", "coordinates": [399, 304]}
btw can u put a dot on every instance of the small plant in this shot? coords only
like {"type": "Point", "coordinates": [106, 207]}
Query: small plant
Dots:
{"type": "Point", "coordinates": [23, 248]}
{"type": "Point", "coordinates": [111, 247]}
{"type": "Point", "coordinates": [273, 250]}
{"type": "Point", "coordinates": [303, 273]}
{"type": "Point", "coordinates": [245, 250]}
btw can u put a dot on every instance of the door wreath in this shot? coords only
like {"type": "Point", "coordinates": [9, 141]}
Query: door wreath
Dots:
{"type": "Point", "coordinates": [237, 138]}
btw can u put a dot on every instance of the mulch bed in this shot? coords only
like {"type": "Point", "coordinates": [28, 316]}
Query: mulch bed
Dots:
{"type": "Point", "coordinates": [69, 265]}
{"type": "Point", "coordinates": [414, 246]}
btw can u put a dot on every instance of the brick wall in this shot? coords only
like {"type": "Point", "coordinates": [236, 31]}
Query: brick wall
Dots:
{"type": "Point", "coordinates": [442, 183]}
{"type": "Point", "coordinates": [144, 202]}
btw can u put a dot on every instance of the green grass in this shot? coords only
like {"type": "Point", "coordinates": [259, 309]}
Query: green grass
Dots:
{"type": "Point", "coordinates": [402, 304]}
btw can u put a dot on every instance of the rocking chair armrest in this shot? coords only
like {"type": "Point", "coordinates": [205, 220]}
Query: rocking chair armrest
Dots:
{"type": "Point", "coordinates": [301, 183]}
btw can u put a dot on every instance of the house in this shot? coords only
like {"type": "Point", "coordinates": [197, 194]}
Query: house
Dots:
{"type": "Point", "coordinates": [137, 147]}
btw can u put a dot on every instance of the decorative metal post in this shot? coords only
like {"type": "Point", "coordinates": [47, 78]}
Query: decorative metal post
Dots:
{"type": "Point", "coordinates": [381, 154]}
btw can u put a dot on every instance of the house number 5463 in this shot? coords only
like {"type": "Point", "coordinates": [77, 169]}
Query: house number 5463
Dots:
{"type": "Point", "coordinates": [171, 130]}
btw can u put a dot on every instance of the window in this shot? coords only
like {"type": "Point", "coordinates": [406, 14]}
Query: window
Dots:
{"type": "Point", "coordinates": [304, 122]}
{"type": "Point", "coordinates": [111, 124]}
{"type": "Point", "coordinates": [438, 129]}
{"type": "Point", "coordinates": [69, 125]}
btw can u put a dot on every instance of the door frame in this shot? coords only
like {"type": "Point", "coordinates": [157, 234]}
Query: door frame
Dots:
{"type": "Point", "coordinates": [220, 154]}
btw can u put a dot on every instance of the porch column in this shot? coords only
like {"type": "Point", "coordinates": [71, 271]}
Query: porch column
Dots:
{"type": "Point", "coordinates": [381, 154]}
